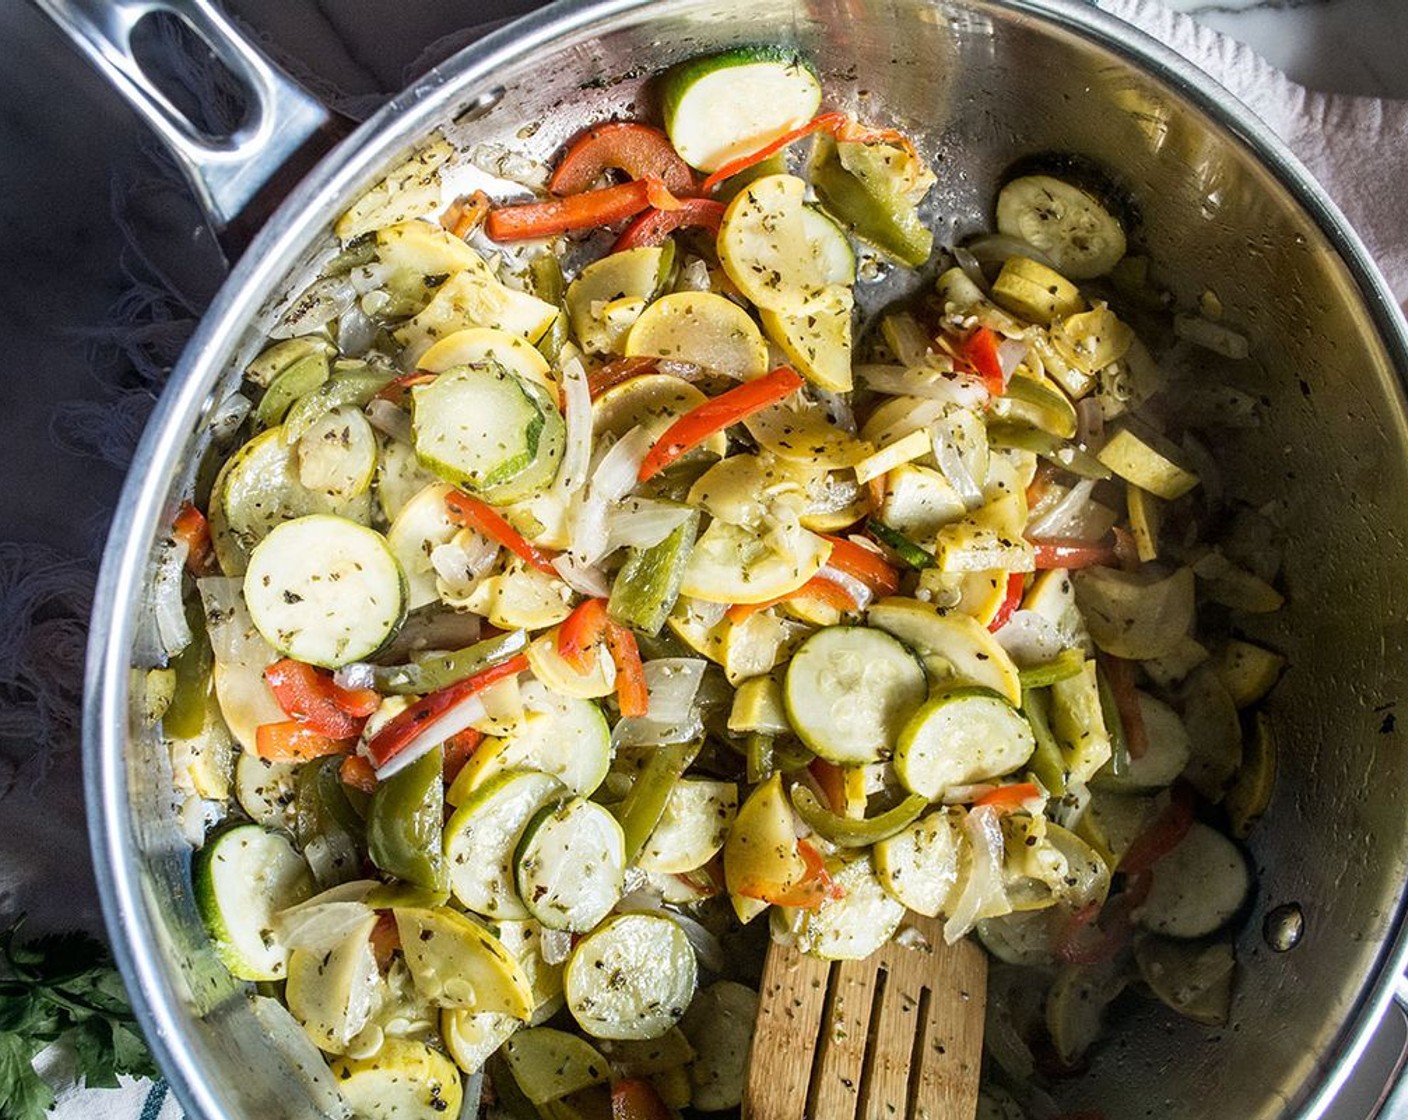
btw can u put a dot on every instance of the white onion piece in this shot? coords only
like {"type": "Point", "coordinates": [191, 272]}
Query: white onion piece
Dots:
{"type": "Point", "coordinates": [694, 277]}
{"type": "Point", "coordinates": [838, 408]}
{"type": "Point", "coordinates": [298, 1057]}
{"type": "Point", "coordinates": [577, 448]}
{"type": "Point", "coordinates": [950, 459]}
{"type": "Point", "coordinates": [468, 711]}
{"type": "Point", "coordinates": [358, 674]}
{"type": "Point", "coordinates": [320, 929]}
{"type": "Point", "coordinates": [616, 474]}
{"type": "Point", "coordinates": [643, 522]}
{"type": "Point", "coordinates": [554, 945]}
{"type": "Point", "coordinates": [984, 895]}
{"type": "Point", "coordinates": [168, 611]}
{"type": "Point", "coordinates": [1030, 639]}
{"type": "Point", "coordinates": [971, 266]}
{"type": "Point", "coordinates": [1211, 336]}
{"type": "Point", "coordinates": [642, 731]}
{"type": "Point", "coordinates": [943, 387]}
{"type": "Point", "coordinates": [229, 414]}
{"type": "Point", "coordinates": [672, 683]}
{"type": "Point", "coordinates": [505, 163]}
{"type": "Point", "coordinates": [462, 562]}
{"type": "Point", "coordinates": [355, 332]}
{"type": "Point", "coordinates": [390, 419]}
{"type": "Point", "coordinates": [995, 248]}
{"type": "Point", "coordinates": [581, 578]}
{"type": "Point", "coordinates": [319, 304]}
{"type": "Point", "coordinates": [966, 795]}
{"type": "Point", "coordinates": [860, 593]}
{"type": "Point", "coordinates": [1011, 352]}
{"type": "Point", "coordinates": [1090, 424]}
{"type": "Point", "coordinates": [233, 638]}
{"type": "Point", "coordinates": [1066, 513]}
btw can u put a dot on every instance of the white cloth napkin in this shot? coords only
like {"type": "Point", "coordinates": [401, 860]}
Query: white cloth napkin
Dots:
{"type": "Point", "coordinates": [1353, 145]}
{"type": "Point", "coordinates": [1356, 146]}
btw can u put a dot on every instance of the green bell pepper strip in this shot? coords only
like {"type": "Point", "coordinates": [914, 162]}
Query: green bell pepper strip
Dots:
{"type": "Point", "coordinates": [760, 758]}
{"type": "Point", "coordinates": [549, 285]}
{"type": "Point", "coordinates": [1065, 664]}
{"type": "Point", "coordinates": [430, 672]}
{"type": "Point", "coordinates": [908, 552]}
{"type": "Point", "coordinates": [849, 832]}
{"type": "Point", "coordinates": [354, 386]}
{"type": "Point", "coordinates": [194, 690]}
{"type": "Point", "coordinates": [1047, 762]}
{"type": "Point", "coordinates": [863, 194]}
{"type": "Point", "coordinates": [299, 379]}
{"type": "Point", "coordinates": [640, 810]}
{"type": "Point", "coordinates": [648, 584]}
{"type": "Point", "coordinates": [405, 827]}
{"type": "Point", "coordinates": [1110, 709]}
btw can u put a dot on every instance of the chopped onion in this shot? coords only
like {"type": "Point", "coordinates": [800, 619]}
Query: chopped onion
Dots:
{"type": "Point", "coordinates": [984, 895]}
{"type": "Point", "coordinates": [321, 928]}
{"type": "Point", "coordinates": [1070, 513]}
{"type": "Point", "coordinates": [390, 419]}
{"type": "Point", "coordinates": [1011, 352]}
{"type": "Point", "coordinates": [463, 715]}
{"type": "Point", "coordinates": [971, 266]}
{"type": "Point", "coordinates": [554, 945]}
{"type": "Point", "coordinates": [615, 476]}
{"type": "Point", "coordinates": [233, 638]}
{"type": "Point", "coordinates": [462, 563]}
{"type": "Point", "coordinates": [505, 163]}
{"type": "Point", "coordinates": [643, 522]}
{"type": "Point", "coordinates": [228, 415]}
{"type": "Point", "coordinates": [838, 409]}
{"type": "Point", "coordinates": [694, 277]}
{"type": "Point", "coordinates": [168, 611]}
{"type": "Point", "coordinates": [942, 387]}
{"type": "Point", "coordinates": [907, 339]}
{"type": "Point", "coordinates": [671, 717]}
{"type": "Point", "coordinates": [860, 593]}
{"type": "Point", "coordinates": [949, 456]}
{"type": "Point", "coordinates": [1030, 639]}
{"type": "Point", "coordinates": [581, 578]}
{"type": "Point", "coordinates": [1090, 424]}
{"type": "Point", "coordinates": [1211, 336]}
{"type": "Point", "coordinates": [577, 449]}
{"type": "Point", "coordinates": [359, 674]}
{"type": "Point", "coordinates": [995, 248]}
{"type": "Point", "coordinates": [319, 304]}
{"type": "Point", "coordinates": [355, 332]}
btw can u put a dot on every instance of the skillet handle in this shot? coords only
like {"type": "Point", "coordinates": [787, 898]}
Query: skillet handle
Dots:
{"type": "Point", "coordinates": [230, 173]}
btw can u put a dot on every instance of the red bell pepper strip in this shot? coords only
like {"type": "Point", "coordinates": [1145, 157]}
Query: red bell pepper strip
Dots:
{"type": "Point", "coordinates": [1120, 674]}
{"type": "Point", "coordinates": [193, 530]}
{"type": "Point", "coordinates": [1009, 798]}
{"type": "Point", "coordinates": [358, 773]}
{"type": "Point", "coordinates": [653, 226]}
{"type": "Point", "coordinates": [864, 564]}
{"type": "Point", "coordinates": [831, 122]}
{"type": "Point", "coordinates": [458, 749]}
{"type": "Point", "coordinates": [639, 150]}
{"type": "Point", "coordinates": [818, 588]}
{"type": "Point", "coordinates": [807, 893]}
{"type": "Point", "coordinates": [617, 371]}
{"type": "Point", "coordinates": [1016, 583]}
{"type": "Point", "coordinates": [581, 632]}
{"type": "Point", "coordinates": [728, 408]}
{"type": "Point", "coordinates": [401, 730]}
{"type": "Point", "coordinates": [315, 700]}
{"type": "Point", "coordinates": [1094, 934]}
{"type": "Point", "coordinates": [588, 210]}
{"type": "Point", "coordinates": [483, 518]}
{"type": "Point", "coordinates": [631, 694]}
{"type": "Point", "coordinates": [1058, 552]}
{"type": "Point", "coordinates": [399, 390]}
{"type": "Point", "coordinates": [294, 741]}
{"type": "Point", "coordinates": [1162, 836]}
{"type": "Point", "coordinates": [634, 1098]}
{"type": "Point", "coordinates": [979, 350]}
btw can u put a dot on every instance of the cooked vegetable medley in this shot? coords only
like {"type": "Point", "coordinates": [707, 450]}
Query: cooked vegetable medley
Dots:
{"type": "Point", "coordinates": [560, 625]}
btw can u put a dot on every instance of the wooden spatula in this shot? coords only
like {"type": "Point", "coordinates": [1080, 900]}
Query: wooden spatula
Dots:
{"type": "Point", "coordinates": [898, 1036]}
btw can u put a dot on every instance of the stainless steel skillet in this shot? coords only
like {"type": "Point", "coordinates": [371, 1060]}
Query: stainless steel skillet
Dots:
{"type": "Point", "coordinates": [1224, 207]}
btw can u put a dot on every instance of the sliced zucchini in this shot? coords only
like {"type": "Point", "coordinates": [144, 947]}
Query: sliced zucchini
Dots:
{"type": "Point", "coordinates": [481, 836]}
{"type": "Point", "coordinates": [850, 690]}
{"type": "Point", "coordinates": [633, 977]}
{"type": "Point", "coordinates": [570, 865]}
{"type": "Point", "coordinates": [409, 189]}
{"type": "Point", "coordinates": [1035, 292]}
{"type": "Point", "coordinates": [761, 849]}
{"type": "Point", "coordinates": [549, 1064]}
{"type": "Point", "coordinates": [242, 878]}
{"type": "Point", "coordinates": [652, 401]}
{"type": "Point", "coordinates": [1075, 1006]}
{"type": "Point", "coordinates": [1250, 792]}
{"type": "Point", "coordinates": [956, 649]}
{"type": "Point", "coordinates": [1113, 821]}
{"type": "Point", "coordinates": [874, 189]}
{"type": "Point", "coordinates": [1147, 460]}
{"type": "Point", "coordinates": [818, 340]}
{"type": "Point", "coordinates": [757, 645]}
{"type": "Point", "coordinates": [919, 501]}
{"type": "Point", "coordinates": [702, 328]}
{"type": "Point", "coordinates": [489, 431]}
{"type": "Point", "coordinates": [472, 1037]}
{"type": "Point", "coordinates": [265, 790]}
{"type": "Point", "coordinates": [488, 345]}
{"type": "Point", "coordinates": [596, 295]}
{"type": "Point", "coordinates": [474, 297]}
{"type": "Point", "coordinates": [1068, 224]}
{"type": "Point", "coordinates": [550, 668]}
{"type": "Point", "coordinates": [988, 538]}
{"type": "Point", "coordinates": [719, 1025]}
{"type": "Point", "coordinates": [646, 1056]}
{"type": "Point", "coordinates": [410, 259]}
{"type": "Point", "coordinates": [723, 106]}
{"type": "Point", "coordinates": [257, 489]}
{"type": "Point", "coordinates": [422, 525]}
{"type": "Point", "coordinates": [1091, 340]}
{"type": "Point", "coordinates": [919, 867]}
{"type": "Point", "coordinates": [293, 383]}
{"type": "Point", "coordinates": [758, 705]}
{"type": "Point", "coordinates": [1198, 887]}
{"type": "Point", "coordinates": [1248, 671]}
{"type": "Point", "coordinates": [325, 590]}
{"type": "Point", "coordinates": [1194, 980]}
{"type": "Point", "coordinates": [456, 962]}
{"type": "Point", "coordinates": [693, 827]}
{"type": "Point", "coordinates": [403, 1080]}
{"type": "Point", "coordinates": [273, 360]}
{"type": "Point", "coordinates": [800, 431]}
{"type": "Point", "coordinates": [731, 565]}
{"type": "Point", "coordinates": [765, 249]}
{"type": "Point", "coordinates": [961, 736]}
{"type": "Point", "coordinates": [399, 477]}
{"type": "Point", "coordinates": [1165, 757]}
{"type": "Point", "coordinates": [333, 993]}
{"type": "Point", "coordinates": [1078, 721]}
{"type": "Point", "coordinates": [520, 598]}
{"type": "Point", "coordinates": [1137, 616]}
{"type": "Point", "coordinates": [855, 924]}
{"type": "Point", "coordinates": [1214, 734]}
{"type": "Point", "coordinates": [560, 735]}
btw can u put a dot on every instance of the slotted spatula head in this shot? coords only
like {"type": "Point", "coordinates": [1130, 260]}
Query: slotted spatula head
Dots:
{"type": "Point", "coordinates": [897, 1036]}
